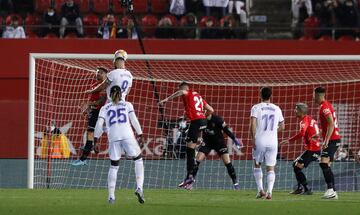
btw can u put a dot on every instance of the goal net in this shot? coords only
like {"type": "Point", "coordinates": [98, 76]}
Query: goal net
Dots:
{"type": "Point", "coordinates": [230, 84]}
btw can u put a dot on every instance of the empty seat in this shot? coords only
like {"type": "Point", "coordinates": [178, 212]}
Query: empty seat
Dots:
{"type": "Point", "coordinates": [32, 23]}
{"type": "Point", "coordinates": [42, 5]}
{"type": "Point", "coordinates": [116, 6]}
{"type": "Point", "coordinates": [91, 24]}
{"type": "Point", "coordinates": [159, 6]}
{"type": "Point", "coordinates": [101, 6]}
{"type": "Point", "coordinates": [149, 23]}
{"type": "Point", "coordinates": [204, 19]}
{"type": "Point", "coordinates": [173, 19]}
{"type": "Point", "coordinates": [140, 6]}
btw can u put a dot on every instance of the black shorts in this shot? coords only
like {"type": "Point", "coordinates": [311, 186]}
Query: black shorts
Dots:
{"type": "Point", "coordinates": [92, 119]}
{"type": "Point", "coordinates": [331, 149]}
{"type": "Point", "coordinates": [196, 126]}
{"type": "Point", "coordinates": [218, 145]}
{"type": "Point", "coordinates": [307, 157]}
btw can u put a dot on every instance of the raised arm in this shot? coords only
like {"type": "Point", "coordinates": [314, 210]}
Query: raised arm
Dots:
{"type": "Point", "coordinates": [99, 87]}
{"type": "Point", "coordinates": [174, 95]}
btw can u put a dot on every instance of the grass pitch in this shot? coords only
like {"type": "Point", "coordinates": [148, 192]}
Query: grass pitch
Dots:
{"type": "Point", "coordinates": [171, 202]}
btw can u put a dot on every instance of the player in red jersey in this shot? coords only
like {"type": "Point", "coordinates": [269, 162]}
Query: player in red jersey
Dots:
{"type": "Point", "coordinates": [194, 106]}
{"type": "Point", "coordinates": [92, 108]}
{"type": "Point", "coordinates": [331, 140]}
{"type": "Point", "coordinates": [309, 131]}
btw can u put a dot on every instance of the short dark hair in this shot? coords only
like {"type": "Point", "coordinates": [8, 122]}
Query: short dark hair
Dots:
{"type": "Point", "coordinates": [266, 93]}
{"type": "Point", "coordinates": [183, 84]}
{"type": "Point", "coordinates": [100, 68]}
{"type": "Point", "coordinates": [319, 90]}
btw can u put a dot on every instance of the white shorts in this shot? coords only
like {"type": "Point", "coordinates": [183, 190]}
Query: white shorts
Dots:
{"type": "Point", "coordinates": [129, 146]}
{"type": "Point", "coordinates": [267, 153]}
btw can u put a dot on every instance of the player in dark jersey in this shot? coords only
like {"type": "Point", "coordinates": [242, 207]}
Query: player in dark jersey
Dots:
{"type": "Point", "coordinates": [194, 106]}
{"type": "Point", "coordinates": [331, 140]}
{"type": "Point", "coordinates": [92, 108]}
{"type": "Point", "coordinates": [309, 131]}
{"type": "Point", "coordinates": [213, 139]}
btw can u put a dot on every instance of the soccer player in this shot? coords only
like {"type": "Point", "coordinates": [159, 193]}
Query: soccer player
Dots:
{"type": "Point", "coordinates": [266, 121]}
{"type": "Point", "coordinates": [194, 108]}
{"type": "Point", "coordinates": [119, 116]}
{"type": "Point", "coordinates": [117, 77]}
{"type": "Point", "coordinates": [309, 131]}
{"type": "Point", "coordinates": [213, 138]}
{"type": "Point", "coordinates": [92, 107]}
{"type": "Point", "coordinates": [331, 140]}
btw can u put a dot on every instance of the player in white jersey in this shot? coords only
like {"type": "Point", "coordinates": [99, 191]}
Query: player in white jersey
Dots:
{"type": "Point", "coordinates": [266, 121]}
{"type": "Point", "coordinates": [118, 116]}
{"type": "Point", "coordinates": [117, 77]}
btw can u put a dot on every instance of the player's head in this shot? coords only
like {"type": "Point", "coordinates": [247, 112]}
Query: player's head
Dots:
{"type": "Point", "coordinates": [115, 94]}
{"type": "Point", "coordinates": [301, 109]}
{"type": "Point", "coordinates": [265, 93]}
{"type": "Point", "coordinates": [183, 86]}
{"type": "Point", "coordinates": [319, 95]}
{"type": "Point", "coordinates": [120, 57]}
{"type": "Point", "coordinates": [101, 73]}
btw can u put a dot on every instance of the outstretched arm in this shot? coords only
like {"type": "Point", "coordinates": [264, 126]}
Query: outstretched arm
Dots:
{"type": "Point", "coordinates": [174, 95]}
{"type": "Point", "coordinates": [99, 87]}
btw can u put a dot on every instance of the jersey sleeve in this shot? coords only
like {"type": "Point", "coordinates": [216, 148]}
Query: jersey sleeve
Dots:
{"type": "Point", "coordinates": [325, 111]}
{"type": "Point", "coordinates": [102, 114]}
{"type": "Point", "coordinates": [223, 126]}
{"type": "Point", "coordinates": [254, 111]}
{"type": "Point", "coordinates": [281, 117]}
{"type": "Point", "coordinates": [110, 77]}
{"type": "Point", "coordinates": [134, 120]}
{"type": "Point", "coordinates": [303, 127]}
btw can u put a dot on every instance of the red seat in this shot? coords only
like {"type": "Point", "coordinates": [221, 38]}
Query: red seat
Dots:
{"type": "Point", "coordinates": [1, 21]}
{"type": "Point", "coordinates": [311, 27]}
{"type": "Point", "coordinates": [159, 6]}
{"type": "Point", "coordinates": [51, 35]}
{"type": "Point", "coordinates": [32, 23]}
{"type": "Point", "coordinates": [101, 6]}
{"type": "Point", "coordinates": [91, 24]}
{"type": "Point", "coordinates": [346, 38]}
{"type": "Point", "coordinates": [325, 37]}
{"type": "Point", "coordinates": [140, 6]}
{"type": "Point", "coordinates": [229, 19]}
{"type": "Point", "coordinates": [149, 23]}
{"type": "Point", "coordinates": [71, 36]}
{"type": "Point", "coordinates": [173, 19]}
{"type": "Point", "coordinates": [42, 5]}
{"type": "Point", "coordinates": [83, 4]}
{"type": "Point", "coordinates": [8, 19]}
{"type": "Point", "coordinates": [205, 19]}
{"type": "Point", "coordinates": [116, 6]}
{"type": "Point", "coordinates": [31, 35]}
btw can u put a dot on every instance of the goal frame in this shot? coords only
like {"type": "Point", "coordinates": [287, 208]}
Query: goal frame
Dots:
{"type": "Point", "coordinates": [34, 56]}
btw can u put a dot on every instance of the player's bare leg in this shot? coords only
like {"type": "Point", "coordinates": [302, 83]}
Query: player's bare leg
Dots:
{"type": "Point", "coordinates": [231, 171]}
{"type": "Point", "coordinates": [329, 178]}
{"type": "Point", "coordinates": [270, 179]}
{"type": "Point", "coordinates": [258, 174]}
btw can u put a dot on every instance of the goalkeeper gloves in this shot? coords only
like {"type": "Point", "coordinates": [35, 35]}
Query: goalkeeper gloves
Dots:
{"type": "Point", "coordinates": [238, 143]}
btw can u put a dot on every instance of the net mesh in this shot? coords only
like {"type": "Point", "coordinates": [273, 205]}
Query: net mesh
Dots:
{"type": "Point", "coordinates": [231, 87]}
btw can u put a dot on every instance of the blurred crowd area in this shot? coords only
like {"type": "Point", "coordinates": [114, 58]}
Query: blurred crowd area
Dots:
{"type": "Point", "coordinates": [175, 19]}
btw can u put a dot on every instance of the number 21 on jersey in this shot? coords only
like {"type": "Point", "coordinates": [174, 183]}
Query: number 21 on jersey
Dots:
{"type": "Point", "coordinates": [199, 105]}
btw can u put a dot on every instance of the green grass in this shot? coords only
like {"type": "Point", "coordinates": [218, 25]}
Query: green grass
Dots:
{"type": "Point", "coordinates": [171, 202]}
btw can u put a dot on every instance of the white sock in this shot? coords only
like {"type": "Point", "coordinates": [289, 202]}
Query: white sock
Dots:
{"type": "Point", "coordinates": [139, 173]}
{"type": "Point", "coordinates": [270, 181]}
{"type": "Point", "coordinates": [112, 176]}
{"type": "Point", "coordinates": [258, 178]}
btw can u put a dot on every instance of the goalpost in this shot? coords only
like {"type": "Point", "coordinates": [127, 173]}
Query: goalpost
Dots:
{"type": "Point", "coordinates": [230, 83]}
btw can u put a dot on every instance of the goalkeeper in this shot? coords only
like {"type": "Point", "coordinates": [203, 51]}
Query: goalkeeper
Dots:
{"type": "Point", "coordinates": [92, 108]}
{"type": "Point", "coordinates": [214, 140]}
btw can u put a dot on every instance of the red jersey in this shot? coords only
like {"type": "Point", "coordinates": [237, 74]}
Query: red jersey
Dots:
{"type": "Point", "coordinates": [96, 96]}
{"type": "Point", "coordinates": [326, 109]}
{"type": "Point", "coordinates": [309, 130]}
{"type": "Point", "coordinates": [194, 105]}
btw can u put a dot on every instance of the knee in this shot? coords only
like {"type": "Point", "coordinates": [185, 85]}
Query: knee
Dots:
{"type": "Point", "coordinates": [63, 21]}
{"type": "Point", "coordinates": [114, 163]}
{"type": "Point", "coordinates": [138, 158]}
{"type": "Point", "coordinates": [78, 21]}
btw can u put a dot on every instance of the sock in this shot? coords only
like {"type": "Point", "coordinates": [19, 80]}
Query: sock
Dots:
{"type": "Point", "coordinates": [231, 172]}
{"type": "Point", "coordinates": [112, 176]}
{"type": "Point", "coordinates": [270, 178]}
{"type": "Point", "coordinates": [190, 161]}
{"type": "Point", "coordinates": [87, 150]}
{"type": "Point", "coordinates": [258, 178]}
{"type": "Point", "coordinates": [300, 177]}
{"type": "Point", "coordinates": [328, 175]}
{"type": "Point", "coordinates": [139, 173]}
{"type": "Point", "coordinates": [195, 169]}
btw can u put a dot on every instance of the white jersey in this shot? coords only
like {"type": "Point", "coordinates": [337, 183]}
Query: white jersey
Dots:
{"type": "Point", "coordinates": [118, 119]}
{"type": "Point", "coordinates": [268, 116]}
{"type": "Point", "coordinates": [122, 78]}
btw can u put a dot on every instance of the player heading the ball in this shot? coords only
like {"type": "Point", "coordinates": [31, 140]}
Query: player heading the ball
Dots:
{"type": "Point", "coordinates": [266, 121]}
{"type": "Point", "coordinates": [118, 117]}
{"type": "Point", "coordinates": [196, 109]}
{"type": "Point", "coordinates": [118, 77]}
{"type": "Point", "coordinates": [331, 140]}
{"type": "Point", "coordinates": [309, 131]}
